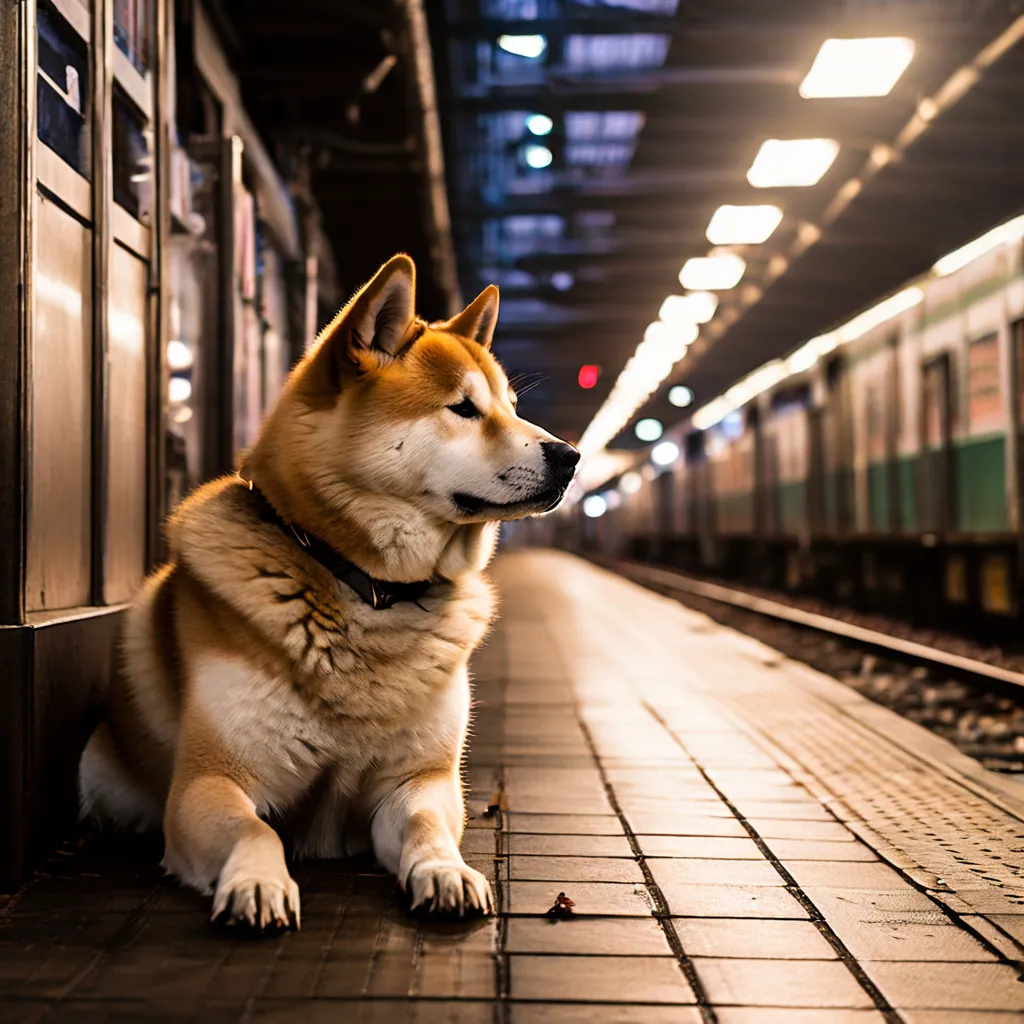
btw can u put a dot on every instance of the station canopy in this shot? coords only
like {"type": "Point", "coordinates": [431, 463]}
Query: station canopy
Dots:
{"type": "Point", "coordinates": [595, 146]}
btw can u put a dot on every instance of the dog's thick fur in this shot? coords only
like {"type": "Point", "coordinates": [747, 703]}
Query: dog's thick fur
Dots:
{"type": "Point", "coordinates": [256, 686]}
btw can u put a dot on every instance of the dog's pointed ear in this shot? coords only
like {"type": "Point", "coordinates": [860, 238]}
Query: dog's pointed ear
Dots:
{"type": "Point", "coordinates": [478, 320]}
{"type": "Point", "coordinates": [380, 314]}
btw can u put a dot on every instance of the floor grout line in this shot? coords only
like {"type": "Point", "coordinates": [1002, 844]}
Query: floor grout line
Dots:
{"type": "Point", "coordinates": [707, 1011]}
{"type": "Point", "coordinates": [848, 960]}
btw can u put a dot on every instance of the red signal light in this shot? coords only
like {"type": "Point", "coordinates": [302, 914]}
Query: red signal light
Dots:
{"type": "Point", "coordinates": [588, 375]}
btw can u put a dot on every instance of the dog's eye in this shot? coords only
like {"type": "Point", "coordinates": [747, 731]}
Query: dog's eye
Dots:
{"type": "Point", "coordinates": [466, 409]}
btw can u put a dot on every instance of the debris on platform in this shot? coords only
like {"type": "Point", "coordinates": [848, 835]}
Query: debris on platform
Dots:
{"type": "Point", "coordinates": [562, 906]}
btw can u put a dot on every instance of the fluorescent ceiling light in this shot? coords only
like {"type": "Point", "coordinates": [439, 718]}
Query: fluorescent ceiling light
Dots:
{"type": "Point", "coordinates": [540, 124]}
{"type": "Point", "coordinates": [680, 396]}
{"type": "Point", "coordinates": [648, 429]}
{"type": "Point", "coordinates": [594, 506]}
{"type": "Point", "coordinates": [743, 225]}
{"type": "Point", "coordinates": [664, 454]}
{"type": "Point", "coordinates": [671, 336]}
{"type": "Point", "coordinates": [524, 46]}
{"type": "Point", "coordinates": [695, 308]}
{"type": "Point", "coordinates": [538, 156]}
{"type": "Point", "coordinates": [1011, 231]}
{"type": "Point", "coordinates": [712, 273]}
{"type": "Point", "coordinates": [857, 67]}
{"type": "Point", "coordinates": [792, 162]}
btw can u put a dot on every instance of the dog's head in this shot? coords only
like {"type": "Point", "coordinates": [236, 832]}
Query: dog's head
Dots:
{"type": "Point", "coordinates": [386, 404]}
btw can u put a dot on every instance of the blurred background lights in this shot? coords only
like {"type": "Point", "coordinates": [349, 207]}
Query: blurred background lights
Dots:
{"type": "Point", "coordinates": [743, 225]}
{"type": "Point", "coordinates": [524, 46]}
{"type": "Point", "coordinates": [588, 375]}
{"type": "Point", "coordinates": [664, 454]}
{"type": "Point", "coordinates": [857, 67]}
{"type": "Point", "coordinates": [179, 355]}
{"type": "Point", "coordinates": [712, 273]}
{"type": "Point", "coordinates": [594, 506]}
{"type": "Point", "coordinates": [680, 396]}
{"type": "Point", "coordinates": [695, 308]}
{"type": "Point", "coordinates": [540, 124]}
{"type": "Point", "coordinates": [179, 389]}
{"type": "Point", "coordinates": [537, 156]}
{"type": "Point", "coordinates": [631, 482]}
{"type": "Point", "coordinates": [562, 280]}
{"type": "Point", "coordinates": [791, 162]}
{"type": "Point", "coordinates": [648, 429]}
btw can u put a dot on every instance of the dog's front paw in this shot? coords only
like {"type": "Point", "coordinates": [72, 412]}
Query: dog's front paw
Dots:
{"type": "Point", "coordinates": [449, 886]}
{"type": "Point", "coordinates": [265, 903]}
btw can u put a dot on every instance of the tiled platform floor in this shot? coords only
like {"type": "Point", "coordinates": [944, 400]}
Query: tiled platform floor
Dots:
{"type": "Point", "coordinates": [745, 841]}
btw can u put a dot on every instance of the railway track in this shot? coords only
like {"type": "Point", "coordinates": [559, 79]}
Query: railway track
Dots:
{"type": "Point", "coordinates": [977, 705]}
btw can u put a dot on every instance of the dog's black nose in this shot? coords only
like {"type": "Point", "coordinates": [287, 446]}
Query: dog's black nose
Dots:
{"type": "Point", "coordinates": [561, 457]}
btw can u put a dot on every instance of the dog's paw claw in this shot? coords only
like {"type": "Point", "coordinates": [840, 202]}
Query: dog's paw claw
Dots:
{"type": "Point", "coordinates": [449, 887]}
{"type": "Point", "coordinates": [265, 905]}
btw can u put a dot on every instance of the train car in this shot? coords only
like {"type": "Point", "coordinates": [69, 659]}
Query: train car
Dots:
{"type": "Point", "coordinates": [878, 466]}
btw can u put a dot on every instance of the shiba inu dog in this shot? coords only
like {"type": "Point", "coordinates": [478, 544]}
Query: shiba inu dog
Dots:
{"type": "Point", "coordinates": [303, 655]}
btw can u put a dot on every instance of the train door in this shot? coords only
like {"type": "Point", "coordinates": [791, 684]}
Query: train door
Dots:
{"type": "Point", "coordinates": [816, 470]}
{"type": "Point", "coordinates": [936, 482]}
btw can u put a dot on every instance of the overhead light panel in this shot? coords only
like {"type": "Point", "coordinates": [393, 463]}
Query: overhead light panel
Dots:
{"type": "Point", "coordinates": [857, 67]}
{"type": "Point", "coordinates": [712, 273]}
{"type": "Point", "coordinates": [538, 156]}
{"type": "Point", "coordinates": [680, 396]}
{"type": "Point", "coordinates": [539, 124]}
{"type": "Point", "coordinates": [631, 482]}
{"type": "Point", "coordinates": [792, 162]}
{"type": "Point", "coordinates": [524, 46]}
{"type": "Point", "coordinates": [594, 506]}
{"type": "Point", "coordinates": [743, 225]}
{"type": "Point", "coordinates": [695, 308]}
{"type": "Point", "coordinates": [648, 429]}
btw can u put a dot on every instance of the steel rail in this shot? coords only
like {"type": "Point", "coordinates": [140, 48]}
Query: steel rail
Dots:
{"type": "Point", "coordinates": [639, 572]}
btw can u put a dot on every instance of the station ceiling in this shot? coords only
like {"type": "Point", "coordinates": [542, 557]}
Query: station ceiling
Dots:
{"type": "Point", "coordinates": [657, 108]}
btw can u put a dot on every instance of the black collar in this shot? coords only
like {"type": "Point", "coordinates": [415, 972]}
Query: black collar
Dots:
{"type": "Point", "coordinates": [378, 594]}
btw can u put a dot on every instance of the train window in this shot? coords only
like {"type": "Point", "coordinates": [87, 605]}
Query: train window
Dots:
{"type": "Point", "coordinates": [984, 397]}
{"type": "Point", "coordinates": [133, 160]}
{"type": "Point", "coordinates": [62, 90]}
{"type": "Point", "coordinates": [936, 403]}
{"type": "Point", "coordinates": [874, 408]}
{"type": "Point", "coordinates": [131, 21]}
{"type": "Point", "coordinates": [1017, 340]}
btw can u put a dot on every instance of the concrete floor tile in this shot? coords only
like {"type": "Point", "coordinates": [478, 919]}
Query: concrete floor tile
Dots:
{"type": "Point", "coordinates": [807, 809]}
{"type": "Point", "coordinates": [691, 871]}
{"type": "Point", "coordinates": [813, 849]}
{"type": "Point", "coordinates": [813, 984]}
{"type": "Point", "coordinates": [948, 986]}
{"type": "Point", "coordinates": [605, 936]}
{"type": "Point", "coordinates": [564, 824]}
{"type": "Point", "coordinates": [670, 806]}
{"type": "Point", "coordinates": [674, 824]}
{"type": "Point", "coordinates": [775, 1015]}
{"type": "Point", "coordinates": [824, 874]}
{"type": "Point", "coordinates": [570, 846]}
{"type": "Point", "coordinates": [764, 901]}
{"type": "Point", "coordinates": [595, 1013]}
{"type": "Point", "coordinates": [576, 869]}
{"type": "Point", "coordinates": [775, 828]}
{"type": "Point", "coordinates": [901, 941]}
{"type": "Point", "coordinates": [601, 898]}
{"type": "Point", "coordinates": [478, 840]}
{"type": "Point", "coordinates": [701, 847]}
{"type": "Point", "coordinates": [749, 939]}
{"type": "Point", "coordinates": [861, 906]}
{"type": "Point", "coordinates": [960, 1017]}
{"type": "Point", "coordinates": [598, 979]}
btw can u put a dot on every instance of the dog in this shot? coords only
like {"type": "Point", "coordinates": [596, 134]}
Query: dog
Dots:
{"type": "Point", "coordinates": [302, 657]}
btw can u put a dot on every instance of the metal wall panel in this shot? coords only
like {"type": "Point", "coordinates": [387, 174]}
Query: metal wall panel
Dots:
{"type": "Point", "coordinates": [125, 542]}
{"type": "Point", "coordinates": [59, 519]}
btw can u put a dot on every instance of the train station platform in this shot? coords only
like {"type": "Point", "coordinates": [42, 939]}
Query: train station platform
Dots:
{"type": "Point", "coordinates": [744, 840]}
